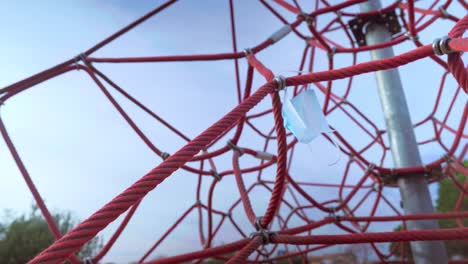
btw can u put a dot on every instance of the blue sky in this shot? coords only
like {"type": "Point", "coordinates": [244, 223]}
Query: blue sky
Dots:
{"type": "Point", "coordinates": [81, 153]}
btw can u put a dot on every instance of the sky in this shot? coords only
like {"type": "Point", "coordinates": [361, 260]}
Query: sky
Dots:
{"type": "Point", "coordinates": [81, 153]}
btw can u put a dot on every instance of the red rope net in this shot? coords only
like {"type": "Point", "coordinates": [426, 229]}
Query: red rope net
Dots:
{"type": "Point", "coordinates": [286, 214]}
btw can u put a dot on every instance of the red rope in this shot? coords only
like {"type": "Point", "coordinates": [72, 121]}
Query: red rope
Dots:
{"type": "Point", "coordinates": [455, 63]}
{"type": "Point", "coordinates": [417, 235]}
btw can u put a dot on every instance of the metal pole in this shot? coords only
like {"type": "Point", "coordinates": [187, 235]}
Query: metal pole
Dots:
{"type": "Point", "coordinates": [413, 188]}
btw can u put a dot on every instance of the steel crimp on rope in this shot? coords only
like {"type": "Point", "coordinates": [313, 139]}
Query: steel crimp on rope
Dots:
{"type": "Point", "coordinates": [440, 46]}
{"type": "Point", "coordinates": [262, 232]}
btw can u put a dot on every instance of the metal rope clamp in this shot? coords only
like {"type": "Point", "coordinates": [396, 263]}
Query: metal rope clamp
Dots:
{"type": "Point", "coordinates": [234, 147]}
{"type": "Point", "coordinates": [411, 37]}
{"type": "Point", "coordinates": [447, 158]}
{"type": "Point", "coordinates": [339, 14]}
{"type": "Point", "coordinates": [440, 46]}
{"type": "Point", "coordinates": [332, 53]}
{"type": "Point", "coordinates": [377, 187]}
{"type": "Point", "coordinates": [264, 233]}
{"type": "Point", "coordinates": [434, 173]}
{"type": "Point", "coordinates": [280, 81]}
{"type": "Point", "coordinates": [215, 175]}
{"type": "Point", "coordinates": [307, 18]}
{"type": "Point", "coordinates": [80, 57]}
{"type": "Point", "coordinates": [165, 155]}
{"type": "Point", "coordinates": [370, 167]}
{"type": "Point", "coordinates": [389, 178]}
{"type": "Point", "coordinates": [334, 215]}
{"type": "Point", "coordinates": [264, 155]}
{"type": "Point", "coordinates": [247, 52]}
{"type": "Point", "coordinates": [443, 12]}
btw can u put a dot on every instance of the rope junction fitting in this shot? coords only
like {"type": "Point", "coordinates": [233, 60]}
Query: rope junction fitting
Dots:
{"type": "Point", "coordinates": [310, 20]}
{"type": "Point", "coordinates": [334, 215]}
{"type": "Point", "coordinates": [280, 81]}
{"type": "Point", "coordinates": [443, 12]}
{"type": "Point", "coordinates": [88, 260]}
{"type": "Point", "coordinates": [411, 37]}
{"type": "Point", "coordinates": [234, 147]}
{"type": "Point", "coordinates": [281, 33]}
{"type": "Point", "coordinates": [448, 158]}
{"type": "Point", "coordinates": [331, 54]}
{"type": "Point", "coordinates": [215, 175]}
{"type": "Point", "coordinates": [261, 232]}
{"type": "Point", "coordinates": [165, 155]}
{"type": "Point", "coordinates": [247, 52]}
{"type": "Point", "coordinates": [264, 155]}
{"type": "Point", "coordinates": [440, 46]}
{"type": "Point", "coordinates": [80, 58]}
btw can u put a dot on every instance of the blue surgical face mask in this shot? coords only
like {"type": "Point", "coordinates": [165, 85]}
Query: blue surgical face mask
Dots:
{"type": "Point", "coordinates": [303, 116]}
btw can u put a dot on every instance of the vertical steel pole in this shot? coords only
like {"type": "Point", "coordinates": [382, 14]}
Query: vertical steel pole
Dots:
{"type": "Point", "coordinates": [413, 188]}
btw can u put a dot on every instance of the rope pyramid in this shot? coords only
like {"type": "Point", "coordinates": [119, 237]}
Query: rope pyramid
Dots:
{"type": "Point", "coordinates": [284, 222]}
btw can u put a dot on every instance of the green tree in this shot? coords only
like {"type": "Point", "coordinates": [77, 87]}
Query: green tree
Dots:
{"type": "Point", "coordinates": [447, 197]}
{"type": "Point", "coordinates": [25, 236]}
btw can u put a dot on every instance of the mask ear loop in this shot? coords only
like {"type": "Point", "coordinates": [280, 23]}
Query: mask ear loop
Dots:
{"type": "Point", "coordinates": [338, 152]}
{"type": "Point", "coordinates": [330, 132]}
